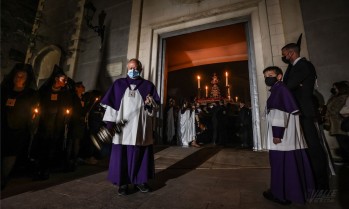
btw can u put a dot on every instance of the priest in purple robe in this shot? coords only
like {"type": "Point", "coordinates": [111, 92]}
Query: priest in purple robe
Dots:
{"type": "Point", "coordinates": [134, 100]}
{"type": "Point", "coordinates": [291, 177]}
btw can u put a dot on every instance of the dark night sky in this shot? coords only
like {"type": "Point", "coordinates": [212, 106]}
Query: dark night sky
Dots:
{"type": "Point", "coordinates": [183, 83]}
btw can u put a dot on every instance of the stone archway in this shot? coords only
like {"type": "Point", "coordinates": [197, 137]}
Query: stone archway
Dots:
{"type": "Point", "coordinates": [44, 62]}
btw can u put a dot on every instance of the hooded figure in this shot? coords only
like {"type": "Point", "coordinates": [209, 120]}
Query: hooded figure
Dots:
{"type": "Point", "coordinates": [55, 110]}
{"type": "Point", "coordinates": [18, 101]}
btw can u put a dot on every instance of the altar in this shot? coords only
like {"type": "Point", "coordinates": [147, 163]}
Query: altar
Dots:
{"type": "Point", "coordinates": [215, 93]}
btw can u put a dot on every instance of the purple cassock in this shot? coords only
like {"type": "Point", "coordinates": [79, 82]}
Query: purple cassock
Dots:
{"type": "Point", "coordinates": [132, 157]}
{"type": "Point", "coordinates": [291, 173]}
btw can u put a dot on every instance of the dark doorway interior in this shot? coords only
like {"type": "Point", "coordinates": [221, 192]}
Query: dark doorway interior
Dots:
{"type": "Point", "coordinates": [202, 53]}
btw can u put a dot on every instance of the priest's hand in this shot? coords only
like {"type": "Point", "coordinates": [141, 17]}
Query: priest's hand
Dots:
{"type": "Point", "coordinates": [276, 140]}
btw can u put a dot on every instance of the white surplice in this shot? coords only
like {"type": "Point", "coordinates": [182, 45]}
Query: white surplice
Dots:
{"type": "Point", "coordinates": [139, 127]}
{"type": "Point", "coordinates": [186, 130]}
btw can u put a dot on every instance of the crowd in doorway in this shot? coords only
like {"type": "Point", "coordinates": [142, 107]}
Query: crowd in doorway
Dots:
{"type": "Point", "coordinates": [190, 123]}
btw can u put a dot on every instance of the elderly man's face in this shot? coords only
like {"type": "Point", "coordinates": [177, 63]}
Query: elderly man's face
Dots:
{"type": "Point", "coordinates": [133, 70]}
{"type": "Point", "coordinates": [132, 65]}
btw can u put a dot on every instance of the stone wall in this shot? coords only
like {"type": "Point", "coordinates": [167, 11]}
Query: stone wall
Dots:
{"type": "Point", "coordinates": [17, 18]}
{"type": "Point", "coordinates": [99, 67]}
{"type": "Point", "coordinates": [326, 26]}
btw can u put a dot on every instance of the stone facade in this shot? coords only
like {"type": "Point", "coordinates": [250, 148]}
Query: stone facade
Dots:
{"type": "Point", "coordinates": [138, 28]}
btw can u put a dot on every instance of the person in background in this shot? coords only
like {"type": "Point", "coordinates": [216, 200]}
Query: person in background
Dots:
{"type": "Point", "coordinates": [186, 125]}
{"type": "Point", "coordinates": [94, 121]}
{"type": "Point", "coordinates": [291, 178]}
{"type": "Point", "coordinates": [245, 121]}
{"type": "Point", "coordinates": [170, 119]}
{"type": "Point", "coordinates": [134, 100]}
{"type": "Point", "coordinates": [300, 79]}
{"type": "Point", "coordinates": [215, 122]}
{"type": "Point", "coordinates": [19, 99]}
{"type": "Point", "coordinates": [222, 126]}
{"type": "Point", "coordinates": [77, 126]}
{"type": "Point", "coordinates": [333, 118]}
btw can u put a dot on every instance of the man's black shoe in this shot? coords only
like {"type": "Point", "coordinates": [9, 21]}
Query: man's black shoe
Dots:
{"type": "Point", "coordinates": [143, 188]}
{"type": "Point", "coordinates": [123, 190]}
{"type": "Point", "coordinates": [269, 196]}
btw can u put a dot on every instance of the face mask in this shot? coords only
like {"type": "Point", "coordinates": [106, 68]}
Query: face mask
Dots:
{"type": "Point", "coordinates": [132, 73]}
{"type": "Point", "coordinates": [270, 81]}
{"type": "Point", "coordinates": [286, 61]}
{"type": "Point", "coordinates": [333, 91]}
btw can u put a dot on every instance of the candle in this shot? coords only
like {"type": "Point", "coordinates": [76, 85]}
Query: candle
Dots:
{"type": "Point", "coordinates": [35, 113]}
{"type": "Point", "coordinates": [236, 99]}
{"type": "Point", "coordinates": [226, 78]}
{"type": "Point", "coordinates": [198, 82]}
{"type": "Point", "coordinates": [206, 91]}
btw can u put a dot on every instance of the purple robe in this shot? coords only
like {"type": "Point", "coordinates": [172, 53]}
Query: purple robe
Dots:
{"type": "Point", "coordinates": [291, 174]}
{"type": "Point", "coordinates": [132, 157]}
{"type": "Point", "coordinates": [116, 92]}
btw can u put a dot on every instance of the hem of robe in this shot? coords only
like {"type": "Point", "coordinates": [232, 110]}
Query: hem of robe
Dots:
{"type": "Point", "coordinates": [291, 175]}
{"type": "Point", "coordinates": [131, 164]}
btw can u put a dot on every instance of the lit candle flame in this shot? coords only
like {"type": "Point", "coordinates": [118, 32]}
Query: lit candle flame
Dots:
{"type": "Point", "coordinates": [36, 110]}
{"type": "Point", "coordinates": [67, 111]}
{"type": "Point", "coordinates": [198, 81]}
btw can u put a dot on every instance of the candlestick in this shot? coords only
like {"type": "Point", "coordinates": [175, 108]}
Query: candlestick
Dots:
{"type": "Point", "coordinates": [206, 91]}
{"type": "Point", "coordinates": [35, 113]}
{"type": "Point", "coordinates": [226, 78]}
{"type": "Point", "coordinates": [198, 82]}
{"type": "Point", "coordinates": [228, 93]}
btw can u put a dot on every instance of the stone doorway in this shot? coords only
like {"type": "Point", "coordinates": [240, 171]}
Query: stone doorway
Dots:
{"type": "Point", "coordinates": [223, 44]}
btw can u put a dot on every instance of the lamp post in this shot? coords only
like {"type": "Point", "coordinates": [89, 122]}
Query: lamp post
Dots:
{"type": "Point", "coordinates": [90, 10]}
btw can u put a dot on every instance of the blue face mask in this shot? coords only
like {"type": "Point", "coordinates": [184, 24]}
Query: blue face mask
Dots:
{"type": "Point", "coordinates": [133, 73]}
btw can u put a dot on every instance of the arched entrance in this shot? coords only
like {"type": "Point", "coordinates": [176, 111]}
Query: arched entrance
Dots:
{"type": "Point", "coordinates": [44, 62]}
